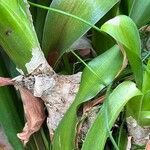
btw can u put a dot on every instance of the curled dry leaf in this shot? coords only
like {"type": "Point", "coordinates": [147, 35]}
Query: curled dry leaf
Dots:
{"type": "Point", "coordinates": [57, 92]}
{"type": "Point", "coordinates": [33, 108]}
{"type": "Point", "coordinates": [82, 43]}
{"type": "Point", "coordinates": [125, 60]}
{"type": "Point", "coordinates": [34, 113]}
{"type": "Point", "coordinates": [84, 46]}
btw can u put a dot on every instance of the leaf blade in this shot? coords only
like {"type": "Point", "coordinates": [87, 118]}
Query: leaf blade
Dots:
{"type": "Point", "coordinates": [142, 7]}
{"type": "Point", "coordinates": [16, 30]}
{"type": "Point", "coordinates": [65, 32]}
{"type": "Point", "coordinates": [89, 87]}
{"type": "Point", "coordinates": [124, 31]}
{"type": "Point", "coordinates": [117, 100]}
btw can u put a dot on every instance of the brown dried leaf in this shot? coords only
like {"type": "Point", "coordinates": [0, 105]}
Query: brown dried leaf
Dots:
{"type": "Point", "coordinates": [88, 116]}
{"type": "Point", "coordinates": [89, 105]}
{"type": "Point", "coordinates": [34, 113]}
{"type": "Point", "coordinates": [53, 57]}
{"type": "Point", "coordinates": [6, 81]}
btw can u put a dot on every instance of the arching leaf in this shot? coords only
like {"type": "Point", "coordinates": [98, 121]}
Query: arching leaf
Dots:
{"type": "Point", "coordinates": [104, 69]}
{"type": "Point", "coordinates": [98, 133]}
{"type": "Point", "coordinates": [125, 32]}
{"type": "Point", "coordinates": [61, 31]}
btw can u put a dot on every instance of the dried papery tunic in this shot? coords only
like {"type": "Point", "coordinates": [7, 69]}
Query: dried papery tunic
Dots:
{"type": "Point", "coordinates": [57, 92]}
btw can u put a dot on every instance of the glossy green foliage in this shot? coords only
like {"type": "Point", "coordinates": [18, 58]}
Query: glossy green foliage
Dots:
{"type": "Point", "coordinates": [40, 18]}
{"type": "Point", "coordinates": [122, 138]}
{"type": "Point", "coordinates": [60, 31]}
{"type": "Point", "coordinates": [139, 11]}
{"type": "Point", "coordinates": [93, 80]}
{"type": "Point", "coordinates": [17, 35]}
{"type": "Point", "coordinates": [102, 75]}
{"type": "Point", "coordinates": [115, 103]}
{"type": "Point", "coordinates": [101, 41]}
{"type": "Point", "coordinates": [146, 79]}
{"type": "Point", "coordinates": [139, 106]}
{"type": "Point", "coordinates": [125, 32]}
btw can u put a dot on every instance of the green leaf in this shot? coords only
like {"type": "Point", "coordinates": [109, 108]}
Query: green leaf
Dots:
{"type": "Point", "coordinates": [33, 11]}
{"type": "Point", "coordinates": [17, 35]}
{"type": "Point", "coordinates": [122, 139]}
{"type": "Point", "coordinates": [100, 72]}
{"type": "Point", "coordinates": [9, 64]}
{"type": "Point", "coordinates": [139, 106]}
{"type": "Point", "coordinates": [9, 118]}
{"type": "Point", "coordinates": [98, 133]}
{"type": "Point", "coordinates": [125, 6]}
{"type": "Point", "coordinates": [61, 31]}
{"type": "Point", "coordinates": [139, 12]}
{"type": "Point", "coordinates": [103, 74]}
{"type": "Point", "coordinates": [125, 32]}
{"type": "Point", "coordinates": [101, 41]}
{"type": "Point", "coordinates": [146, 79]}
{"type": "Point", "coordinates": [40, 18]}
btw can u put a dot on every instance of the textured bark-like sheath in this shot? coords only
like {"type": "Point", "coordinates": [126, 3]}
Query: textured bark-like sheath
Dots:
{"type": "Point", "coordinates": [56, 91]}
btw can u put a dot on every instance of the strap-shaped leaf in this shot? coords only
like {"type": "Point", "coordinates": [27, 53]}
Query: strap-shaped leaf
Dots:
{"type": "Point", "coordinates": [146, 79]}
{"type": "Point", "coordinates": [139, 12]}
{"type": "Point", "coordinates": [98, 133]}
{"type": "Point", "coordinates": [103, 70]}
{"type": "Point", "coordinates": [125, 32]}
{"type": "Point", "coordinates": [17, 35]}
{"type": "Point", "coordinates": [139, 106]}
{"type": "Point", "coordinates": [40, 18]}
{"type": "Point", "coordinates": [61, 31]}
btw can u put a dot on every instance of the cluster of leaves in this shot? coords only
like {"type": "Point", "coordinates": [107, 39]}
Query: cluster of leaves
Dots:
{"type": "Point", "coordinates": [59, 24]}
